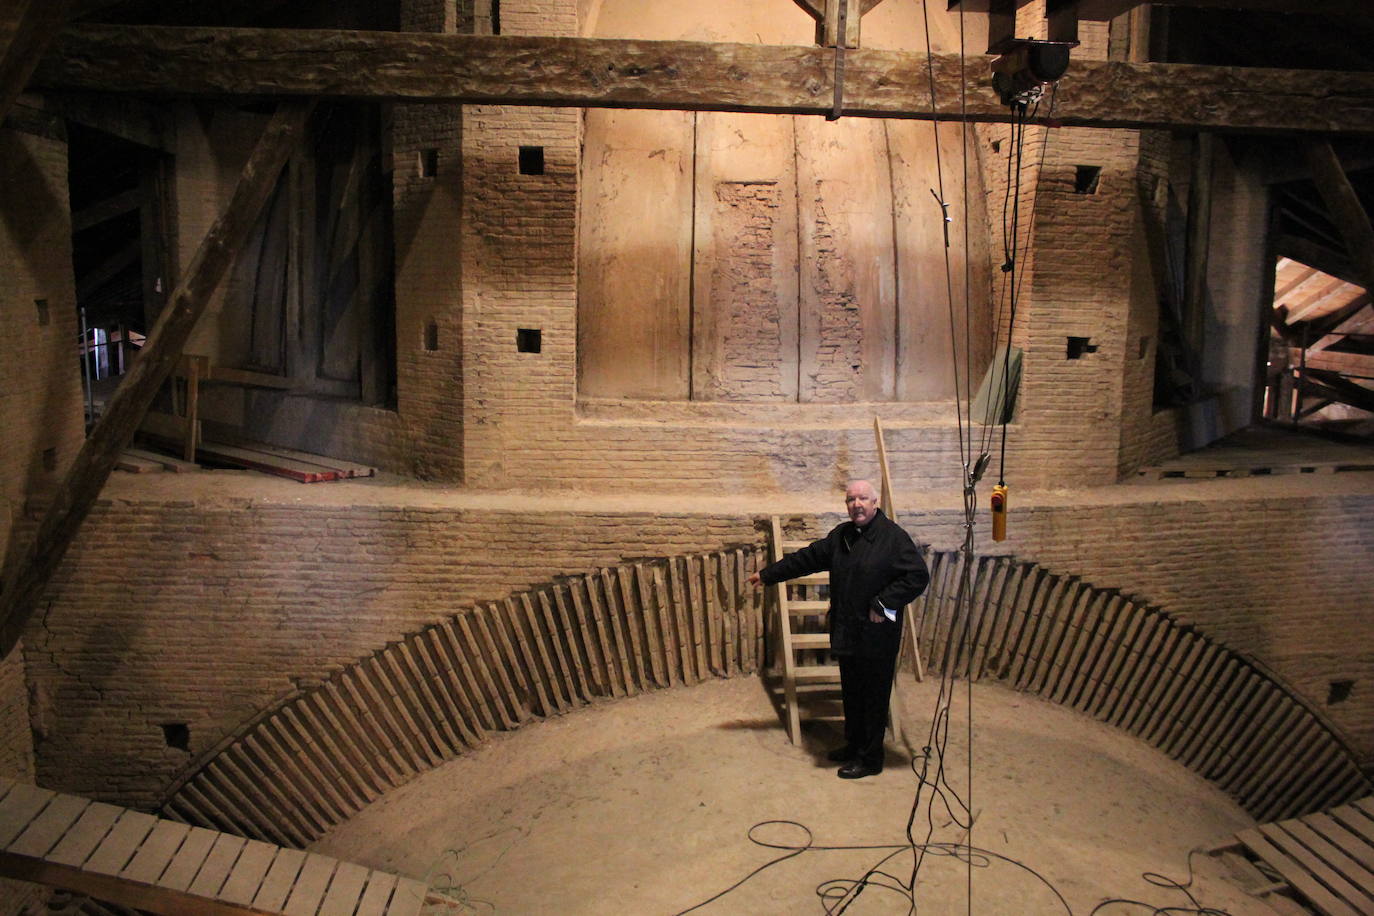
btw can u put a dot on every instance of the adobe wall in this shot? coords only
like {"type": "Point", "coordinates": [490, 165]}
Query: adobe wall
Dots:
{"type": "Point", "coordinates": [238, 601]}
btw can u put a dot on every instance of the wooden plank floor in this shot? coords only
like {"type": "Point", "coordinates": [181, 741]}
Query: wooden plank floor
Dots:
{"type": "Point", "coordinates": [1327, 857]}
{"type": "Point", "coordinates": [1265, 450]}
{"type": "Point", "coordinates": [133, 859]}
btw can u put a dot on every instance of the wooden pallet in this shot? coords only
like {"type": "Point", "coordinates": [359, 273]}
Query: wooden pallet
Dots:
{"type": "Point", "coordinates": [1327, 857]}
{"type": "Point", "coordinates": [133, 859]}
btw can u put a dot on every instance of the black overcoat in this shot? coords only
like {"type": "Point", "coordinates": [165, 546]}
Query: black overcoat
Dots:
{"type": "Point", "coordinates": [877, 564]}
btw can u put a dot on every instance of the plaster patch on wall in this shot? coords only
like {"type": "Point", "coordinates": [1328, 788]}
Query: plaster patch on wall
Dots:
{"type": "Point", "coordinates": [749, 363]}
{"type": "Point", "coordinates": [839, 361]}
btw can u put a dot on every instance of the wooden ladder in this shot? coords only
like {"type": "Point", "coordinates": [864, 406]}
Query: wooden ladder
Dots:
{"type": "Point", "coordinates": [799, 626]}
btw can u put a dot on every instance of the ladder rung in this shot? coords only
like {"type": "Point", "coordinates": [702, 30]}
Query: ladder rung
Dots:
{"type": "Point", "coordinates": [791, 546]}
{"type": "Point", "coordinates": [807, 608]}
{"type": "Point", "coordinates": [811, 640]}
{"type": "Point", "coordinates": [820, 578]}
{"type": "Point", "coordinates": [820, 693]}
{"type": "Point", "coordinates": [815, 673]}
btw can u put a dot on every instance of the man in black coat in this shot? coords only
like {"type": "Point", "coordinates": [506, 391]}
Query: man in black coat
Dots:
{"type": "Point", "coordinates": [875, 571]}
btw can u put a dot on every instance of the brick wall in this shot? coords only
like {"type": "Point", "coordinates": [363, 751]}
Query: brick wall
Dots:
{"type": "Point", "coordinates": [40, 381]}
{"type": "Point", "coordinates": [170, 611]}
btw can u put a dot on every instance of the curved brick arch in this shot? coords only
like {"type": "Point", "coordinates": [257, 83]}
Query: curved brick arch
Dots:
{"type": "Point", "coordinates": [317, 758]}
{"type": "Point", "coordinates": [1133, 665]}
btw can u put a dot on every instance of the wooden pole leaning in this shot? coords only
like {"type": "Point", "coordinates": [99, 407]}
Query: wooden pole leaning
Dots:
{"type": "Point", "coordinates": [909, 638]}
{"type": "Point", "coordinates": [786, 666]}
{"type": "Point", "coordinates": [29, 573]}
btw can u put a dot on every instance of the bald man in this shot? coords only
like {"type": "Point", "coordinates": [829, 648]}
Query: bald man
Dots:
{"type": "Point", "coordinates": [875, 571]}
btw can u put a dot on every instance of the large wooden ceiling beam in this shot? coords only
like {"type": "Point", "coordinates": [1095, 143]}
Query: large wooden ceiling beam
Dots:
{"type": "Point", "coordinates": [28, 574]}
{"type": "Point", "coordinates": [686, 75]}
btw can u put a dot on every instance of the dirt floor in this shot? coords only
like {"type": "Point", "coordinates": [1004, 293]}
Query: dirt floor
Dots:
{"type": "Point", "coordinates": [648, 805]}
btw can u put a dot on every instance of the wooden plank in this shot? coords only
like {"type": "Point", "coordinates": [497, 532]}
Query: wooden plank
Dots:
{"type": "Point", "coordinates": [1359, 848]}
{"type": "Point", "coordinates": [377, 894]}
{"type": "Point", "coordinates": [271, 464]}
{"type": "Point", "coordinates": [157, 852]}
{"type": "Point", "coordinates": [189, 859]}
{"type": "Point", "coordinates": [1295, 874]}
{"type": "Point", "coordinates": [21, 804]}
{"type": "Point", "coordinates": [408, 898]}
{"type": "Point", "coordinates": [310, 886]}
{"type": "Point", "coordinates": [120, 844]}
{"type": "Point", "coordinates": [1324, 862]}
{"type": "Point", "coordinates": [280, 879]}
{"type": "Point", "coordinates": [246, 877]}
{"type": "Point", "coordinates": [1337, 859]}
{"type": "Point", "coordinates": [113, 431]}
{"type": "Point", "coordinates": [345, 890]}
{"type": "Point", "coordinates": [42, 832]}
{"type": "Point", "coordinates": [167, 462]}
{"type": "Point", "coordinates": [78, 842]}
{"type": "Point", "coordinates": [220, 861]}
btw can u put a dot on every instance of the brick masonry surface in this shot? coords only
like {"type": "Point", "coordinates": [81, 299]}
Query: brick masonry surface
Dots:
{"type": "Point", "coordinates": [40, 387]}
{"type": "Point", "coordinates": [170, 612]}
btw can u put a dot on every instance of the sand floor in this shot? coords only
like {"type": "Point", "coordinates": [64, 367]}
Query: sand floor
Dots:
{"type": "Point", "coordinates": [646, 805]}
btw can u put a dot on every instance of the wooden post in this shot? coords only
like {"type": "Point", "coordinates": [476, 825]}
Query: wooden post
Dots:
{"type": "Point", "coordinates": [1199, 229]}
{"type": "Point", "coordinates": [27, 577]}
{"type": "Point", "coordinates": [195, 369]}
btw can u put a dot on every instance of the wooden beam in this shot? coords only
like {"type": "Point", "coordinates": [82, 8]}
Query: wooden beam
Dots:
{"type": "Point", "coordinates": [28, 575]}
{"type": "Point", "coordinates": [1199, 233]}
{"type": "Point", "coordinates": [1315, 255]}
{"type": "Point", "coordinates": [684, 75]}
{"type": "Point", "coordinates": [1345, 208]}
{"type": "Point", "coordinates": [26, 29]}
{"type": "Point", "coordinates": [107, 209]}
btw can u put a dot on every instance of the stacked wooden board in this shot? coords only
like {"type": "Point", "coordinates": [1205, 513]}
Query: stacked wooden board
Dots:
{"type": "Point", "coordinates": [1327, 857]}
{"type": "Point", "coordinates": [133, 859]}
{"type": "Point", "coordinates": [283, 462]}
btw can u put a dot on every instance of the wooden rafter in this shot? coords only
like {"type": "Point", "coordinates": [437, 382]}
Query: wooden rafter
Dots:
{"type": "Point", "coordinates": [26, 28]}
{"type": "Point", "coordinates": [687, 75]}
{"type": "Point", "coordinates": [27, 575]}
{"type": "Point", "coordinates": [1343, 203]}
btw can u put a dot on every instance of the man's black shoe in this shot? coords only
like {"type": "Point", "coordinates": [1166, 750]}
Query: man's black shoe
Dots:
{"type": "Point", "coordinates": [842, 755]}
{"type": "Point", "coordinates": [858, 770]}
